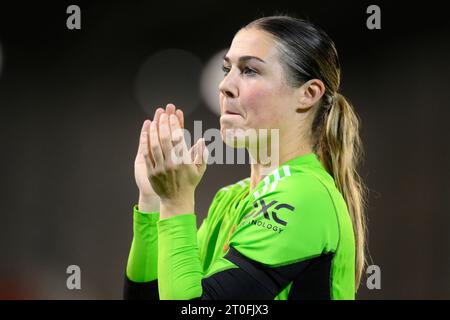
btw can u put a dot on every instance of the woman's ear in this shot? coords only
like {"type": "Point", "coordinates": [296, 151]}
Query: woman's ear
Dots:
{"type": "Point", "coordinates": [309, 94]}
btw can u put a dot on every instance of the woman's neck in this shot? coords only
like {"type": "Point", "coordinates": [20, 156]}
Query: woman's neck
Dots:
{"type": "Point", "coordinates": [260, 171]}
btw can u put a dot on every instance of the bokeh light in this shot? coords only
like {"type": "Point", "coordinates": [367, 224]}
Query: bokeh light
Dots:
{"type": "Point", "coordinates": [169, 76]}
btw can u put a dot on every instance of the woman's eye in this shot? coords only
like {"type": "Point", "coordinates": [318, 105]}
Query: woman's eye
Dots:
{"type": "Point", "coordinates": [249, 71]}
{"type": "Point", "coordinates": [225, 70]}
{"type": "Point", "coordinates": [246, 71]}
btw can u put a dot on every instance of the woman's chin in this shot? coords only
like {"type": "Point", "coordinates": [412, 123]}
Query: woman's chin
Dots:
{"type": "Point", "coordinates": [233, 137]}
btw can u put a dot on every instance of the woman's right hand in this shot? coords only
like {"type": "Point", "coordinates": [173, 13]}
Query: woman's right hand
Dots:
{"type": "Point", "coordinates": [148, 199]}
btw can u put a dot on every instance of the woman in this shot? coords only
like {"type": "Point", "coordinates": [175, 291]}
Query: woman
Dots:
{"type": "Point", "coordinates": [296, 232]}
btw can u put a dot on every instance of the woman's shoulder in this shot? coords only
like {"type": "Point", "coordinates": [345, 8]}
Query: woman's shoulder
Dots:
{"type": "Point", "coordinates": [294, 183]}
{"type": "Point", "coordinates": [225, 194]}
{"type": "Point", "coordinates": [234, 187]}
{"type": "Point", "coordinates": [292, 218]}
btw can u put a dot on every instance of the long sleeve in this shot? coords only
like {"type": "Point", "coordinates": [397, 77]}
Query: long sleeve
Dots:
{"type": "Point", "coordinates": [144, 252]}
{"type": "Point", "coordinates": [179, 268]}
{"type": "Point", "coordinates": [142, 265]}
{"type": "Point", "coordinates": [283, 247]}
{"type": "Point", "coordinates": [180, 274]}
{"type": "Point", "coordinates": [141, 274]}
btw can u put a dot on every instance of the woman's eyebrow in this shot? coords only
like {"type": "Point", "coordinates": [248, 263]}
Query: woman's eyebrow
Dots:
{"type": "Point", "coordinates": [244, 59]}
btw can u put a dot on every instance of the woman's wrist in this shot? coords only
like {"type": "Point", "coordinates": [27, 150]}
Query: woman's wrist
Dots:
{"type": "Point", "coordinates": [148, 203]}
{"type": "Point", "coordinates": [173, 207]}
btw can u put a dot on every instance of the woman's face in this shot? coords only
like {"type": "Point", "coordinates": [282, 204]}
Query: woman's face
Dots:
{"type": "Point", "coordinates": [254, 93]}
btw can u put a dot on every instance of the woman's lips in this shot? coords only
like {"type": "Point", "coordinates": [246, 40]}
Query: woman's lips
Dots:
{"type": "Point", "coordinates": [232, 113]}
{"type": "Point", "coordinates": [229, 117]}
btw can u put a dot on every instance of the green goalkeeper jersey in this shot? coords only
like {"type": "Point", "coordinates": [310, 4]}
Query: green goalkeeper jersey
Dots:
{"type": "Point", "coordinates": [291, 237]}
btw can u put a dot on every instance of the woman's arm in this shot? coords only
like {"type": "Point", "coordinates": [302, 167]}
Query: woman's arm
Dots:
{"type": "Point", "coordinates": [290, 260]}
{"type": "Point", "coordinates": [144, 232]}
{"type": "Point", "coordinates": [174, 173]}
{"type": "Point", "coordinates": [141, 270]}
{"type": "Point", "coordinates": [143, 256]}
{"type": "Point", "coordinates": [141, 274]}
{"type": "Point", "coordinates": [235, 277]}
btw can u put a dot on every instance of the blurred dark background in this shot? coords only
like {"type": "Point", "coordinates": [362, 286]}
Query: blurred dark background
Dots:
{"type": "Point", "coordinates": [71, 112]}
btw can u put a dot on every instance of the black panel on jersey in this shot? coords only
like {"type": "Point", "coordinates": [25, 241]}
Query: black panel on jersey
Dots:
{"type": "Point", "coordinates": [140, 290]}
{"type": "Point", "coordinates": [311, 279]}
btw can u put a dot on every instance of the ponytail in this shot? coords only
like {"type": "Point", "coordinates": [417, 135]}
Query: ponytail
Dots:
{"type": "Point", "coordinates": [307, 52]}
{"type": "Point", "coordinates": [339, 148]}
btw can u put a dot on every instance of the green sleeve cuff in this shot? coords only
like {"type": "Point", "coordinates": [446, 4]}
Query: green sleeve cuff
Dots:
{"type": "Point", "coordinates": [145, 217]}
{"type": "Point", "coordinates": [143, 257]}
{"type": "Point", "coordinates": [179, 267]}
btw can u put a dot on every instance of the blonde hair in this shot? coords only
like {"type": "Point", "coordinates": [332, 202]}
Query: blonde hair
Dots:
{"type": "Point", "coordinates": [309, 53]}
{"type": "Point", "coordinates": [338, 146]}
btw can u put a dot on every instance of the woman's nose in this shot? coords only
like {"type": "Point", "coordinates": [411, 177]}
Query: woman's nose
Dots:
{"type": "Point", "coordinates": [227, 87]}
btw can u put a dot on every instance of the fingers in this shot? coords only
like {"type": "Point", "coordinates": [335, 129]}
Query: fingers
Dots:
{"type": "Point", "coordinates": [155, 147]}
{"type": "Point", "coordinates": [170, 108]}
{"type": "Point", "coordinates": [157, 115]}
{"type": "Point", "coordinates": [180, 116]}
{"type": "Point", "coordinates": [144, 132]}
{"type": "Point", "coordinates": [151, 137]}
{"type": "Point", "coordinates": [202, 156]}
{"type": "Point", "coordinates": [165, 138]}
{"type": "Point", "coordinates": [180, 153]}
{"type": "Point", "coordinates": [199, 155]}
{"type": "Point", "coordinates": [145, 126]}
{"type": "Point", "coordinates": [200, 152]}
{"type": "Point", "coordinates": [144, 148]}
{"type": "Point", "coordinates": [143, 138]}
{"type": "Point", "coordinates": [175, 128]}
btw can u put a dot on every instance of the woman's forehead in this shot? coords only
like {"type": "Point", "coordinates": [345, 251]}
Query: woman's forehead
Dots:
{"type": "Point", "coordinates": [252, 42]}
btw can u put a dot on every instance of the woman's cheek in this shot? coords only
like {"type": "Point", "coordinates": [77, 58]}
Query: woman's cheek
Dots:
{"type": "Point", "coordinates": [265, 116]}
{"type": "Point", "coordinates": [259, 108]}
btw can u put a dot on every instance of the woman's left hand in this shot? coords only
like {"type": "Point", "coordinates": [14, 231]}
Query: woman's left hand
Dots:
{"type": "Point", "coordinates": [174, 171]}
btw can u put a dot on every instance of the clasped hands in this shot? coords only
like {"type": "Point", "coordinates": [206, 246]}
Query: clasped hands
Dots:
{"type": "Point", "coordinates": [172, 170]}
